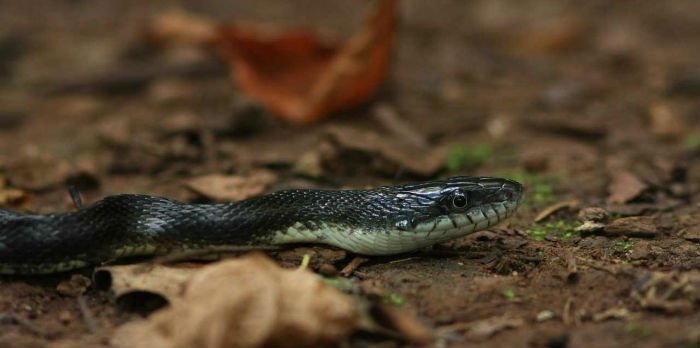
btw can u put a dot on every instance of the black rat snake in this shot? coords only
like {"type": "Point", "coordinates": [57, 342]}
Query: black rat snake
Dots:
{"type": "Point", "coordinates": [380, 221]}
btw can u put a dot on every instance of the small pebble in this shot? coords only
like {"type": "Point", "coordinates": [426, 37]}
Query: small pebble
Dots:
{"type": "Point", "coordinates": [594, 214]}
{"type": "Point", "coordinates": [65, 317]}
{"type": "Point", "coordinates": [328, 270]}
{"type": "Point", "coordinates": [640, 251]}
{"type": "Point", "coordinates": [545, 315]}
{"type": "Point", "coordinates": [590, 227]}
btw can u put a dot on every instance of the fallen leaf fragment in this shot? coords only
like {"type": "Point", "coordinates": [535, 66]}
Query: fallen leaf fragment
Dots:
{"type": "Point", "coordinates": [386, 157]}
{"type": "Point", "coordinates": [624, 186]}
{"type": "Point", "coordinates": [301, 79]}
{"type": "Point", "coordinates": [176, 26]}
{"type": "Point", "coordinates": [227, 188]}
{"type": "Point", "coordinates": [664, 122]}
{"type": "Point", "coordinates": [635, 226]}
{"type": "Point", "coordinates": [38, 173]}
{"type": "Point", "coordinates": [247, 302]}
{"type": "Point", "coordinates": [162, 281]}
{"type": "Point", "coordinates": [555, 36]}
{"type": "Point", "coordinates": [12, 196]}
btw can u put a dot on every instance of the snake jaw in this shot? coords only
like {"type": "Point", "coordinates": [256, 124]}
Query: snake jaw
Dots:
{"type": "Point", "coordinates": [432, 214]}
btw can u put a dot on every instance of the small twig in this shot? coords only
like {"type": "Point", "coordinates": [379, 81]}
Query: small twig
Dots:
{"type": "Point", "coordinates": [571, 266]}
{"type": "Point", "coordinates": [352, 266]}
{"type": "Point", "coordinates": [26, 324]}
{"type": "Point", "coordinates": [75, 196]}
{"type": "Point", "coordinates": [566, 313]}
{"type": "Point", "coordinates": [546, 212]}
{"type": "Point", "coordinates": [88, 319]}
{"type": "Point", "coordinates": [402, 260]}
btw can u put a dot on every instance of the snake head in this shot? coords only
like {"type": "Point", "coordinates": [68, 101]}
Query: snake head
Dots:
{"type": "Point", "coordinates": [446, 209]}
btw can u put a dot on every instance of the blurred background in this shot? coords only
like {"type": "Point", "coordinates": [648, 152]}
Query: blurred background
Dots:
{"type": "Point", "coordinates": [591, 102]}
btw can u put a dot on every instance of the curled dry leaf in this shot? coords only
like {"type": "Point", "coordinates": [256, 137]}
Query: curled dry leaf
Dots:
{"type": "Point", "coordinates": [162, 281]}
{"type": "Point", "coordinates": [248, 302]}
{"type": "Point", "coordinates": [37, 173]}
{"type": "Point", "coordinates": [226, 188]}
{"type": "Point", "coordinates": [301, 79]}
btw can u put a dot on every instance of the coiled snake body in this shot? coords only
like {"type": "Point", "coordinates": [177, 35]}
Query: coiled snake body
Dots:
{"type": "Point", "coordinates": [380, 221]}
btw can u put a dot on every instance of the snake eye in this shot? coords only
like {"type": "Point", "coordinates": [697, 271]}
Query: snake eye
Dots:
{"type": "Point", "coordinates": [459, 200]}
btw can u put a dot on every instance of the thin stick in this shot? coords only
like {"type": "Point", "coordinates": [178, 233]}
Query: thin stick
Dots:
{"type": "Point", "coordinates": [87, 317]}
{"type": "Point", "coordinates": [14, 318]}
{"type": "Point", "coordinates": [352, 266]}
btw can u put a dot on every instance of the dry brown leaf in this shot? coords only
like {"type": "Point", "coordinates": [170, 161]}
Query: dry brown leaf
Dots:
{"type": "Point", "coordinates": [121, 280]}
{"type": "Point", "coordinates": [226, 188]}
{"type": "Point", "coordinates": [11, 196]}
{"type": "Point", "coordinates": [635, 226]}
{"type": "Point", "coordinates": [664, 122]}
{"type": "Point", "coordinates": [37, 173]}
{"type": "Point", "coordinates": [176, 26]}
{"type": "Point", "coordinates": [300, 78]}
{"type": "Point", "coordinates": [247, 302]}
{"type": "Point", "coordinates": [559, 35]}
{"type": "Point", "coordinates": [624, 186]}
{"type": "Point", "coordinates": [383, 148]}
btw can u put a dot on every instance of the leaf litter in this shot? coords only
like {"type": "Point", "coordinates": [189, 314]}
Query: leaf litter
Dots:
{"type": "Point", "coordinates": [247, 302]}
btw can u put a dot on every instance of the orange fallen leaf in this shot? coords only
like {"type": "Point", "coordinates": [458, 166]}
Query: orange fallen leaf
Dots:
{"type": "Point", "coordinates": [301, 79]}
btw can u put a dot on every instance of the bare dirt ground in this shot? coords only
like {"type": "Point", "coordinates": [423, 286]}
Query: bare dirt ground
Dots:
{"type": "Point", "coordinates": [589, 104]}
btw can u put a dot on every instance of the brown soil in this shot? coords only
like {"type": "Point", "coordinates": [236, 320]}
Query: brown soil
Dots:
{"type": "Point", "coordinates": [595, 102]}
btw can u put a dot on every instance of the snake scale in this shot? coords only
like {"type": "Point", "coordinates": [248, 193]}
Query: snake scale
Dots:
{"type": "Point", "coordinates": [381, 221]}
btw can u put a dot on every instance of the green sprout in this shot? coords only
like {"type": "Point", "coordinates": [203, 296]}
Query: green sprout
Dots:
{"type": "Point", "coordinates": [561, 229]}
{"type": "Point", "coordinates": [540, 190]}
{"type": "Point", "coordinates": [623, 246]}
{"type": "Point", "coordinates": [692, 141]}
{"type": "Point", "coordinates": [509, 293]}
{"type": "Point", "coordinates": [394, 299]}
{"type": "Point", "coordinates": [638, 329]}
{"type": "Point", "coordinates": [462, 155]}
